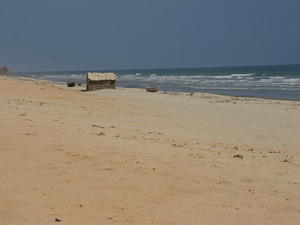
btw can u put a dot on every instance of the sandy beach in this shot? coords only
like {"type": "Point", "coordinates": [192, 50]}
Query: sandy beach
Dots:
{"type": "Point", "coordinates": [126, 156]}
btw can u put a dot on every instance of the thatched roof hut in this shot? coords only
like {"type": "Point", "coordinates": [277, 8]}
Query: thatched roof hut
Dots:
{"type": "Point", "coordinates": [96, 81]}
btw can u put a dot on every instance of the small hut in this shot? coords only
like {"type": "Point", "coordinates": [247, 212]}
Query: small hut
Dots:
{"type": "Point", "coordinates": [96, 81]}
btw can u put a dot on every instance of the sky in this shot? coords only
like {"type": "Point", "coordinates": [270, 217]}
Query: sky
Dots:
{"type": "Point", "coordinates": [52, 35]}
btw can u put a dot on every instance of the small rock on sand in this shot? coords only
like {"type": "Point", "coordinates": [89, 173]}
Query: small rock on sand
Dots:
{"type": "Point", "coordinates": [238, 156]}
{"type": "Point", "coordinates": [151, 89]}
{"type": "Point", "coordinates": [71, 84]}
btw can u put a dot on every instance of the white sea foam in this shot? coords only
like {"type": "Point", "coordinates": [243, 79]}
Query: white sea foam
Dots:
{"type": "Point", "coordinates": [208, 78]}
{"type": "Point", "coordinates": [277, 77]}
{"type": "Point", "coordinates": [241, 76]}
{"type": "Point", "coordinates": [292, 80]}
{"type": "Point", "coordinates": [59, 77]}
{"type": "Point", "coordinates": [77, 75]}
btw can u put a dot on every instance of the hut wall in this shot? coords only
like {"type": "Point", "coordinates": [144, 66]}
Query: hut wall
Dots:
{"type": "Point", "coordinates": [102, 84]}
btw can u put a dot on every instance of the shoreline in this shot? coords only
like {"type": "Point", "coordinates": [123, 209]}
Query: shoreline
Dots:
{"type": "Point", "coordinates": [161, 92]}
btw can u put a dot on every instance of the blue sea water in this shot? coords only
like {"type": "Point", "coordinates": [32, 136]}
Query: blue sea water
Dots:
{"type": "Point", "coordinates": [279, 82]}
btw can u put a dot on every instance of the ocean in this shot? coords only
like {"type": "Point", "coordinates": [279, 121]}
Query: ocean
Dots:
{"type": "Point", "coordinates": [277, 82]}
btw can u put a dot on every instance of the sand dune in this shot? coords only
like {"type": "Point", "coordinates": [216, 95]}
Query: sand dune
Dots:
{"type": "Point", "coordinates": [126, 156]}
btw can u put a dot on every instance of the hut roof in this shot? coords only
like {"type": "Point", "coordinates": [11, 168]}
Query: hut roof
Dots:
{"type": "Point", "coordinates": [101, 76]}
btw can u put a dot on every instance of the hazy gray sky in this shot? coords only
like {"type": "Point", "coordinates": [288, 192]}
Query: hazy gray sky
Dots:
{"type": "Point", "coordinates": [39, 35]}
